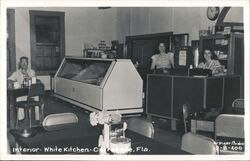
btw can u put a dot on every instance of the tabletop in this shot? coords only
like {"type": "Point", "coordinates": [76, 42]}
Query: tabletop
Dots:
{"type": "Point", "coordinates": [83, 139]}
{"type": "Point", "coordinates": [17, 92]}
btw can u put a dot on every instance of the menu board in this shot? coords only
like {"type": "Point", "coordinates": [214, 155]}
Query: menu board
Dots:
{"type": "Point", "coordinates": [182, 57]}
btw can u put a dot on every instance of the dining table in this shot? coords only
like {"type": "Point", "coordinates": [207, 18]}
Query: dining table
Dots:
{"type": "Point", "coordinates": [82, 139]}
{"type": "Point", "coordinates": [12, 95]}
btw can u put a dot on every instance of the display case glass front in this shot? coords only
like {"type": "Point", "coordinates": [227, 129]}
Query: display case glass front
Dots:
{"type": "Point", "coordinates": [88, 71]}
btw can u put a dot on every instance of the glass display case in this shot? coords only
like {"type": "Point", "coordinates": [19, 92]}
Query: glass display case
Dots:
{"type": "Point", "coordinates": [91, 71]}
{"type": "Point", "coordinates": [100, 84]}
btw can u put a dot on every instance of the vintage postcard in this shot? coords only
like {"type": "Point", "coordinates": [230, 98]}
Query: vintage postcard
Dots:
{"type": "Point", "coordinates": [124, 80]}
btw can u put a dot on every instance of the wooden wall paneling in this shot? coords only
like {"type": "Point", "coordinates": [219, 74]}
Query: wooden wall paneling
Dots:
{"type": "Point", "coordinates": [159, 95]}
{"type": "Point", "coordinates": [214, 93]}
{"type": "Point", "coordinates": [231, 92]}
{"type": "Point", "coordinates": [187, 90]}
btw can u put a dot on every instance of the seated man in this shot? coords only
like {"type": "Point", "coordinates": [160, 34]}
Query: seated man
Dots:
{"type": "Point", "coordinates": [18, 76]}
{"type": "Point", "coordinates": [23, 72]}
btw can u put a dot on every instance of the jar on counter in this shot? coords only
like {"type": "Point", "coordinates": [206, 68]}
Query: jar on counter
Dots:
{"type": "Point", "coordinates": [25, 81]}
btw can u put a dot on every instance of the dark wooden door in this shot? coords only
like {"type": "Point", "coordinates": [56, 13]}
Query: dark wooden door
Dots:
{"type": "Point", "coordinates": [141, 48]}
{"type": "Point", "coordinates": [47, 40]}
{"type": "Point", "coordinates": [142, 52]}
{"type": "Point", "coordinates": [238, 60]}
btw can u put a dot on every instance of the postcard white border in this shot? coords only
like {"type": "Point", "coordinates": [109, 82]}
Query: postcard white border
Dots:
{"type": "Point", "coordinates": [117, 3]}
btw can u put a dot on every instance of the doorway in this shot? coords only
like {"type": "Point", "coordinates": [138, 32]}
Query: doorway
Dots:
{"type": "Point", "coordinates": [11, 47]}
{"type": "Point", "coordinates": [47, 40]}
{"type": "Point", "coordinates": [140, 49]}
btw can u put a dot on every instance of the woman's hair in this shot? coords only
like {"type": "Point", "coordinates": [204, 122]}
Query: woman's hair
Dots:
{"type": "Point", "coordinates": [161, 43]}
{"type": "Point", "coordinates": [166, 48]}
{"type": "Point", "coordinates": [213, 56]}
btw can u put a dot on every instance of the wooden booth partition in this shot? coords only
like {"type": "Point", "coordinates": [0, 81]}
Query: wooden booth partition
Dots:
{"type": "Point", "coordinates": [166, 94]}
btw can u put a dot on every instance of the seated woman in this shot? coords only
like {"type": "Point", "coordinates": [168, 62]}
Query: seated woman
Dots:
{"type": "Point", "coordinates": [212, 64]}
{"type": "Point", "coordinates": [163, 61]}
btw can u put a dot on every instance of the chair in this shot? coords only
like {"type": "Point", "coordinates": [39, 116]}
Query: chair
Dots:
{"type": "Point", "coordinates": [204, 120]}
{"type": "Point", "coordinates": [141, 126]}
{"type": "Point", "coordinates": [229, 125]}
{"type": "Point", "coordinates": [57, 121]}
{"type": "Point", "coordinates": [198, 144]}
{"type": "Point", "coordinates": [186, 114]}
{"type": "Point", "coordinates": [228, 128]}
{"type": "Point", "coordinates": [238, 106]}
{"type": "Point", "coordinates": [35, 90]}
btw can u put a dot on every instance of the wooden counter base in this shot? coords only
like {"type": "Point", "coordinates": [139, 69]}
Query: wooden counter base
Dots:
{"type": "Point", "coordinates": [166, 94]}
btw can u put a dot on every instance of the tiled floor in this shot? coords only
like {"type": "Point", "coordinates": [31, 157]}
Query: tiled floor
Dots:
{"type": "Point", "coordinates": [162, 127]}
{"type": "Point", "coordinates": [163, 132]}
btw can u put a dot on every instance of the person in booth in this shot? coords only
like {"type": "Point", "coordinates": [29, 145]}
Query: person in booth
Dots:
{"type": "Point", "coordinates": [162, 62]}
{"type": "Point", "coordinates": [211, 63]}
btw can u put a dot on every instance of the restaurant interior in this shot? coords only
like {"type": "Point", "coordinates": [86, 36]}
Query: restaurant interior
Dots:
{"type": "Point", "coordinates": [125, 80]}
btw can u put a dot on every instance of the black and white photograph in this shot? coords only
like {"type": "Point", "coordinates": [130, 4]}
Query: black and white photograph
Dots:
{"type": "Point", "coordinates": [124, 80]}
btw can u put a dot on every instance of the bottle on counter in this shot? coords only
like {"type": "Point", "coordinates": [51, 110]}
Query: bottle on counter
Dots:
{"type": "Point", "coordinates": [33, 80]}
{"type": "Point", "coordinates": [196, 57]}
{"type": "Point", "coordinates": [25, 81]}
{"type": "Point", "coordinates": [209, 30]}
{"type": "Point", "coordinates": [29, 82]}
